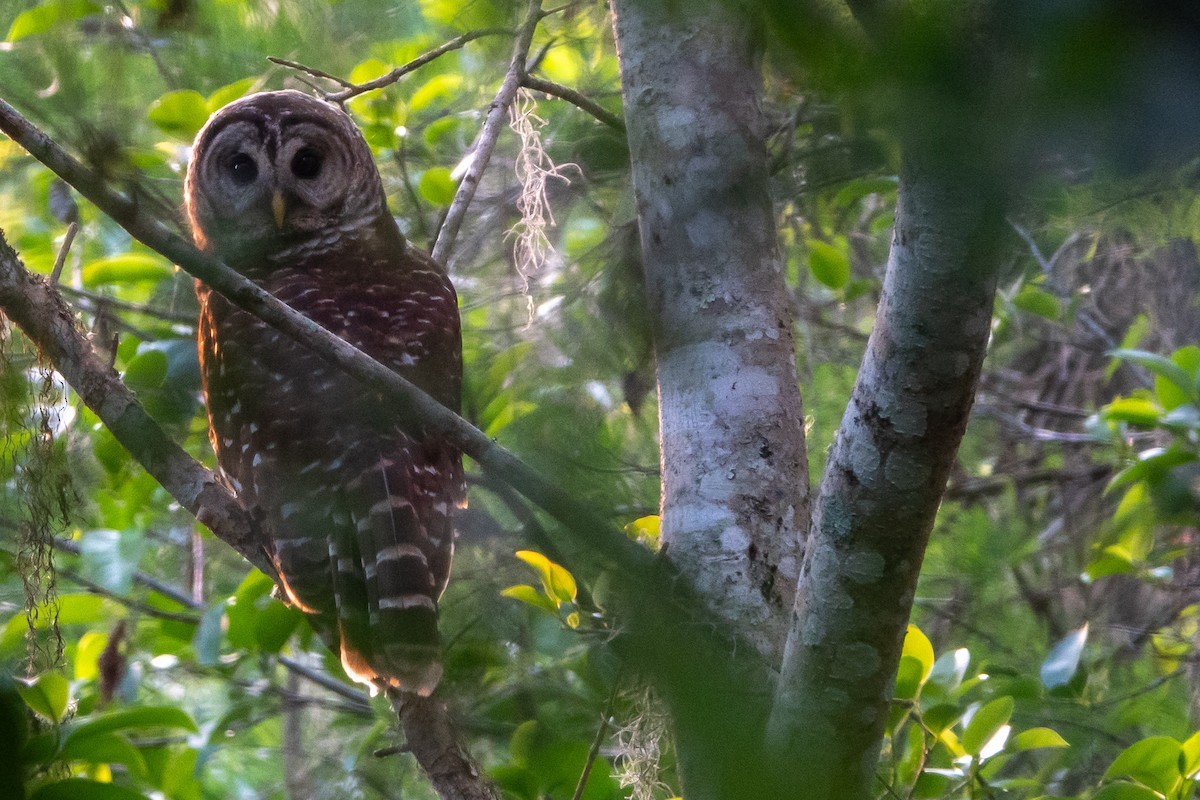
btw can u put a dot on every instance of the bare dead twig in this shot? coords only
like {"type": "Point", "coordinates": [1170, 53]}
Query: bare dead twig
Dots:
{"type": "Point", "coordinates": [486, 143]}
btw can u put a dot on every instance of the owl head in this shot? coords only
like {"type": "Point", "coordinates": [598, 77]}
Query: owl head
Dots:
{"type": "Point", "coordinates": [280, 170]}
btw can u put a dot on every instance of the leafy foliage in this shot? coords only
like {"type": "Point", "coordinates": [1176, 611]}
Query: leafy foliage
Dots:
{"type": "Point", "coordinates": [1063, 614]}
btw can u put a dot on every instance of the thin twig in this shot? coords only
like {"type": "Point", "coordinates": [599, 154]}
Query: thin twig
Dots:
{"type": "Point", "coordinates": [56, 273]}
{"type": "Point", "coordinates": [575, 98]}
{"type": "Point", "coordinates": [316, 73]}
{"type": "Point", "coordinates": [136, 308]}
{"type": "Point", "coordinates": [354, 89]}
{"type": "Point", "coordinates": [594, 750]}
{"type": "Point", "coordinates": [496, 116]}
{"type": "Point", "coordinates": [327, 682]}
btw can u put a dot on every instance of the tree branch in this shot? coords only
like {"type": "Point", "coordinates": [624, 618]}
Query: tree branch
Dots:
{"type": "Point", "coordinates": [34, 305]}
{"type": "Point", "coordinates": [350, 90]}
{"type": "Point", "coordinates": [486, 143]}
{"type": "Point", "coordinates": [46, 319]}
{"type": "Point", "coordinates": [595, 539]}
{"type": "Point", "coordinates": [576, 98]}
{"type": "Point", "coordinates": [433, 741]}
{"type": "Point", "coordinates": [887, 472]}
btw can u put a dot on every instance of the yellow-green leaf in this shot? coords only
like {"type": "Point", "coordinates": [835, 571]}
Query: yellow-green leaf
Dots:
{"type": "Point", "coordinates": [437, 186]}
{"type": "Point", "coordinates": [181, 113]}
{"type": "Point", "coordinates": [828, 264]}
{"type": "Point", "coordinates": [127, 268]}
{"type": "Point", "coordinates": [1038, 301]}
{"type": "Point", "coordinates": [530, 596]}
{"type": "Point", "coordinates": [47, 695]}
{"type": "Point", "coordinates": [1037, 738]}
{"type": "Point", "coordinates": [985, 723]}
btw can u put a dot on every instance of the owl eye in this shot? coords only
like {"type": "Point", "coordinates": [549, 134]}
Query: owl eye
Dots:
{"type": "Point", "coordinates": [306, 164]}
{"type": "Point", "coordinates": [242, 169]}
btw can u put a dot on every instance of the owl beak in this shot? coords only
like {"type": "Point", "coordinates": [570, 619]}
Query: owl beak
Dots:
{"type": "Point", "coordinates": [278, 207]}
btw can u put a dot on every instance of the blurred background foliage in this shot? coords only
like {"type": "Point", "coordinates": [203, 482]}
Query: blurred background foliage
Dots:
{"type": "Point", "coordinates": [1060, 601]}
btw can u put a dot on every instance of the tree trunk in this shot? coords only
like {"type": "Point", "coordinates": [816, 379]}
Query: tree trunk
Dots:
{"type": "Point", "coordinates": [735, 479]}
{"type": "Point", "coordinates": [885, 478]}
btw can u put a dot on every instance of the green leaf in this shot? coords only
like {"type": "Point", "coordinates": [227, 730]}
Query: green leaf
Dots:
{"type": "Point", "coordinates": [147, 370]}
{"type": "Point", "coordinates": [87, 652]}
{"type": "Point", "coordinates": [531, 596]}
{"type": "Point", "coordinates": [1062, 662]}
{"type": "Point", "coordinates": [227, 94]}
{"type": "Point", "coordinates": [828, 264]}
{"type": "Point", "coordinates": [646, 530]}
{"type": "Point", "coordinates": [1189, 755]}
{"type": "Point", "coordinates": [985, 723]}
{"type": "Point", "coordinates": [950, 668]}
{"type": "Point", "coordinates": [127, 268]}
{"type": "Point", "coordinates": [437, 186]}
{"type": "Point", "coordinates": [940, 717]}
{"type": "Point", "coordinates": [1038, 301]}
{"type": "Point", "coordinates": [73, 609]}
{"type": "Point", "coordinates": [859, 188]}
{"type": "Point", "coordinates": [107, 748]}
{"type": "Point", "coordinates": [44, 17]}
{"type": "Point", "coordinates": [1112, 561]}
{"type": "Point", "coordinates": [1152, 464]}
{"type": "Point", "coordinates": [1134, 410]}
{"type": "Point", "coordinates": [368, 70]}
{"type": "Point", "coordinates": [47, 695]}
{"type": "Point", "coordinates": [1126, 791]}
{"type": "Point", "coordinates": [85, 789]}
{"type": "Point", "coordinates": [1036, 739]}
{"type": "Point", "coordinates": [1167, 370]}
{"type": "Point", "coordinates": [180, 113]}
{"type": "Point", "coordinates": [440, 87]}
{"type": "Point", "coordinates": [274, 625]}
{"type": "Point", "coordinates": [908, 678]}
{"type": "Point", "coordinates": [1153, 762]}
{"type": "Point", "coordinates": [1169, 393]}
{"type": "Point", "coordinates": [207, 641]}
{"type": "Point", "coordinates": [142, 717]}
{"type": "Point", "coordinates": [916, 645]}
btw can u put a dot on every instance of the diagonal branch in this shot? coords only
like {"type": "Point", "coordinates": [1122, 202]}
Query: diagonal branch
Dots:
{"type": "Point", "coordinates": [350, 90]}
{"type": "Point", "coordinates": [575, 97]}
{"type": "Point", "coordinates": [37, 307]}
{"type": "Point", "coordinates": [597, 539]}
{"type": "Point", "coordinates": [495, 120]}
{"type": "Point", "coordinates": [886, 474]}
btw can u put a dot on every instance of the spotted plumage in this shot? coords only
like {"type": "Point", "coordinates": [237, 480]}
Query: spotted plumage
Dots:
{"type": "Point", "coordinates": [358, 511]}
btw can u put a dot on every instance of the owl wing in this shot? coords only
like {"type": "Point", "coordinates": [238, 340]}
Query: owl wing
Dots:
{"type": "Point", "coordinates": [360, 512]}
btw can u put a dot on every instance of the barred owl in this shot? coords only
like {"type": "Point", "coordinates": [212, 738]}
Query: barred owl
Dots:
{"type": "Point", "coordinates": [358, 512]}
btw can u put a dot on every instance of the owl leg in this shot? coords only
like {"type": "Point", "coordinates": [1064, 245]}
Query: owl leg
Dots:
{"type": "Point", "coordinates": [400, 587]}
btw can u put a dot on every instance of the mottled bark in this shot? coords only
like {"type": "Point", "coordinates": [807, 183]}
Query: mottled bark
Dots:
{"type": "Point", "coordinates": [884, 479]}
{"type": "Point", "coordinates": [735, 479]}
